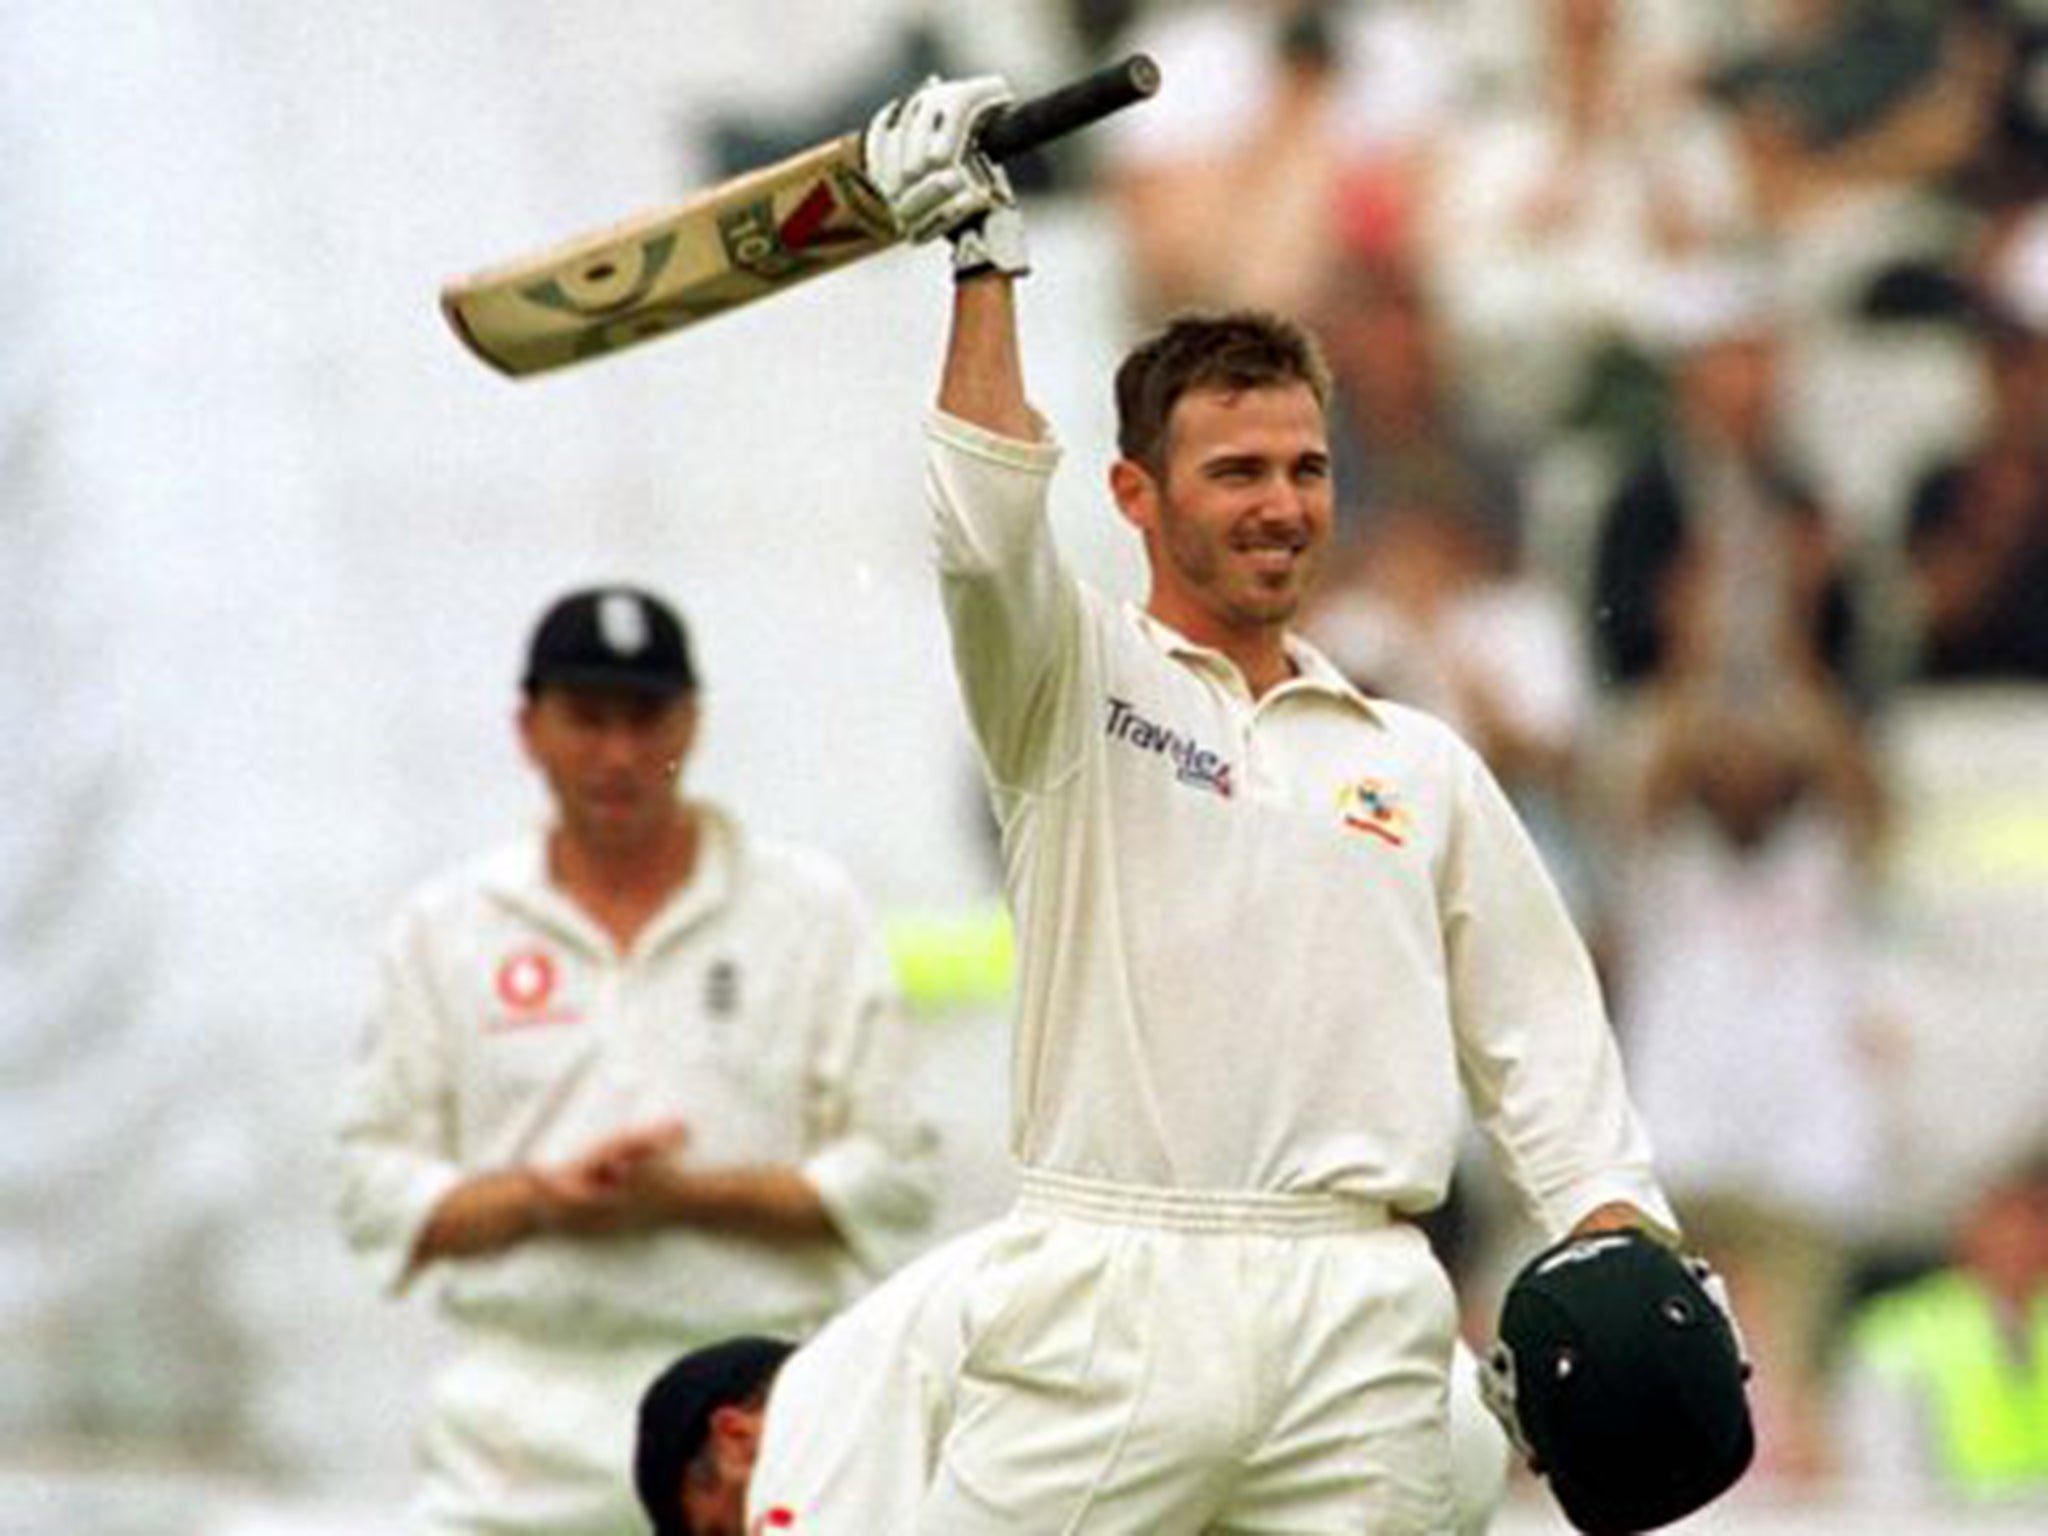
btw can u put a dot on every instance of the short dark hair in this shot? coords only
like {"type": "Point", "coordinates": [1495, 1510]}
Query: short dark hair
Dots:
{"type": "Point", "coordinates": [675, 1416]}
{"type": "Point", "coordinates": [1224, 350]}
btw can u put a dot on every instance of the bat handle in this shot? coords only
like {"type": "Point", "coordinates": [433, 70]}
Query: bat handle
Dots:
{"type": "Point", "coordinates": [1024, 125]}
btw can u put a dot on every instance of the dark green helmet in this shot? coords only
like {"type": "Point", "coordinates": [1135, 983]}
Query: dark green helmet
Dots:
{"type": "Point", "coordinates": [1620, 1374]}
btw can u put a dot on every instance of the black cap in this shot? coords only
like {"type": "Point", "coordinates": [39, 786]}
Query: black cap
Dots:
{"type": "Point", "coordinates": [1628, 1382]}
{"type": "Point", "coordinates": [614, 638]}
{"type": "Point", "coordinates": [675, 1416]}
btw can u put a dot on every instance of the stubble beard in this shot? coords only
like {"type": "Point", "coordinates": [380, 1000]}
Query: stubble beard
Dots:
{"type": "Point", "coordinates": [1242, 597]}
{"type": "Point", "coordinates": [1214, 573]}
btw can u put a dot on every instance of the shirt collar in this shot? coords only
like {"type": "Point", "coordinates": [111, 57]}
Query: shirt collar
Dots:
{"type": "Point", "coordinates": [517, 876]}
{"type": "Point", "coordinates": [1313, 671]}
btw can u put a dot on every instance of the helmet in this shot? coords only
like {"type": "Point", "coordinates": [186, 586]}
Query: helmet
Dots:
{"type": "Point", "coordinates": [1620, 1374]}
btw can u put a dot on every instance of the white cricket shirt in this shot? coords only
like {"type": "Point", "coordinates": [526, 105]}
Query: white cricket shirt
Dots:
{"type": "Point", "coordinates": [1260, 941]}
{"type": "Point", "coordinates": [756, 1007]}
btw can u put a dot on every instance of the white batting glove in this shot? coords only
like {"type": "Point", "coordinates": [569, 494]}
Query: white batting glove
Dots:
{"type": "Point", "coordinates": [919, 153]}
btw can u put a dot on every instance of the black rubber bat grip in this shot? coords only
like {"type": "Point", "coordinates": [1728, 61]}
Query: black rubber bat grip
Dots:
{"type": "Point", "coordinates": [1024, 125]}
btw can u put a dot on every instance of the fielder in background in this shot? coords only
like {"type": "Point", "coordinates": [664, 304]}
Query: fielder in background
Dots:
{"type": "Point", "coordinates": [1268, 929]}
{"type": "Point", "coordinates": [840, 1436]}
{"type": "Point", "coordinates": [631, 1087]}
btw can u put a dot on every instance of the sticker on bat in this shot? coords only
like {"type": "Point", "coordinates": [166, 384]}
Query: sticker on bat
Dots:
{"type": "Point", "coordinates": [807, 240]}
{"type": "Point", "coordinates": [610, 284]}
{"type": "Point", "coordinates": [753, 243]}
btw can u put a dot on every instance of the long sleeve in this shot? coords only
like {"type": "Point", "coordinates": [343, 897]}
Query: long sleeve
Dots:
{"type": "Point", "coordinates": [872, 1159]}
{"type": "Point", "coordinates": [1013, 608]}
{"type": "Point", "coordinates": [1534, 1043]}
{"type": "Point", "coordinates": [393, 1155]}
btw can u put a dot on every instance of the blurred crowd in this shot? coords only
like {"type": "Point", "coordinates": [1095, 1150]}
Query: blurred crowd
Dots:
{"type": "Point", "coordinates": [1691, 374]}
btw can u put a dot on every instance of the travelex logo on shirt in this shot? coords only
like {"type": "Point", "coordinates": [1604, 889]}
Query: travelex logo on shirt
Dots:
{"type": "Point", "coordinates": [1192, 763]}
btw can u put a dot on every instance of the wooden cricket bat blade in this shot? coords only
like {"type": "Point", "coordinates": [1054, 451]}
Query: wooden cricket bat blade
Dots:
{"type": "Point", "coordinates": [727, 246]}
{"type": "Point", "coordinates": [647, 276]}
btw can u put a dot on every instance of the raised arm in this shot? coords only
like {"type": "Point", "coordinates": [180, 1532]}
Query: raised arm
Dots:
{"type": "Point", "coordinates": [921, 155]}
{"type": "Point", "coordinates": [1012, 607]}
{"type": "Point", "coordinates": [983, 381]}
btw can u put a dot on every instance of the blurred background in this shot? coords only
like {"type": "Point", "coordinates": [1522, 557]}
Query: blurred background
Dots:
{"type": "Point", "coordinates": [1691, 374]}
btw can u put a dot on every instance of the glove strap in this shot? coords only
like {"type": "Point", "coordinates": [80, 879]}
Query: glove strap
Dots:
{"type": "Point", "coordinates": [993, 242]}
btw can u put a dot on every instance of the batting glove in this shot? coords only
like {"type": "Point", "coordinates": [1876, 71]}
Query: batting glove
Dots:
{"type": "Point", "coordinates": [920, 153]}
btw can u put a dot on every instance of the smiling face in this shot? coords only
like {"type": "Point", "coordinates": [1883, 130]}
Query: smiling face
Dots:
{"type": "Point", "coordinates": [1237, 514]}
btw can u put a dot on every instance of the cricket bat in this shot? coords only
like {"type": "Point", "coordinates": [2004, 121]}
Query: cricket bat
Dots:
{"type": "Point", "coordinates": [750, 237]}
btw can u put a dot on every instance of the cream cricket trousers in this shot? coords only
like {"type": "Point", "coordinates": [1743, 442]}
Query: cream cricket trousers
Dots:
{"type": "Point", "coordinates": [1163, 1362]}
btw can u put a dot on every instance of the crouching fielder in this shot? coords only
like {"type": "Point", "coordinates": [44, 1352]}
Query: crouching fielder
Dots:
{"type": "Point", "coordinates": [840, 1437]}
{"type": "Point", "coordinates": [1268, 930]}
